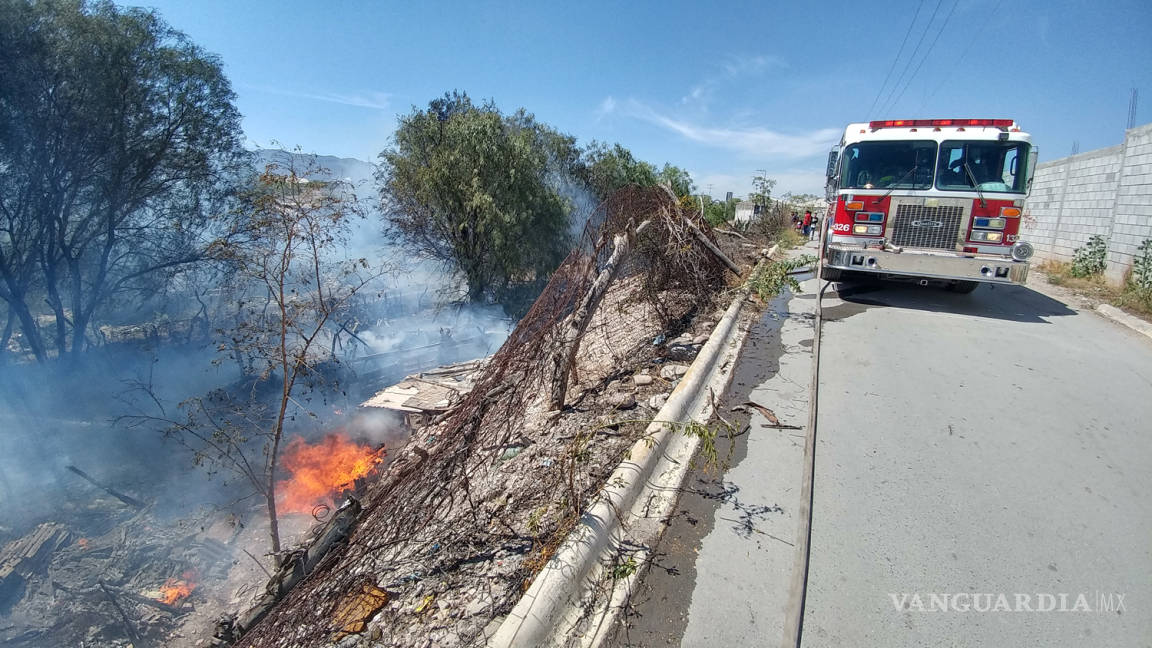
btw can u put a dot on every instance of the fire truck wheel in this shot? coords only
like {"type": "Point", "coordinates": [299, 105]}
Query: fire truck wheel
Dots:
{"type": "Point", "coordinates": [963, 287]}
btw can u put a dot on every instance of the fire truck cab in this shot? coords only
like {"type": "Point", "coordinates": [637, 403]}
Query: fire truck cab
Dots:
{"type": "Point", "coordinates": [929, 199]}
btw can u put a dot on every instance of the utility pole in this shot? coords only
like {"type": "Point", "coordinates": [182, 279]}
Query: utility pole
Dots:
{"type": "Point", "coordinates": [763, 174]}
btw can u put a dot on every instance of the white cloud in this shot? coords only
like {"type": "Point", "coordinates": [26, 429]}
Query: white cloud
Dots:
{"type": "Point", "coordinates": [606, 107]}
{"type": "Point", "coordinates": [753, 141]}
{"type": "Point", "coordinates": [373, 100]}
{"type": "Point", "coordinates": [737, 67]}
{"type": "Point", "coordinates": [796, 181]}
{"type": "Point", "coordinates": [733, 69]}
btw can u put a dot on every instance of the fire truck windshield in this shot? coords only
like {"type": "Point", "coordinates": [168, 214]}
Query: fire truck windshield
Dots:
{"type": "Point", "coordinates": [889, 164]}
{"type": "Point", "coordinates": [988, 166]}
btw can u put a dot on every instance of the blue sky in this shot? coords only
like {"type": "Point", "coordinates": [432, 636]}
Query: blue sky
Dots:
{"type": "Point", "coordinates": [721, 89]}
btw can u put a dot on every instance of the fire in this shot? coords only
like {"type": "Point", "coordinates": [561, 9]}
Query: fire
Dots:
{"type": "Point", "coordinates": [83, 543]}
{"type": "Point", "coordinates": [175, 590]}
{"type": "Point", "coordinates": [322, 470]}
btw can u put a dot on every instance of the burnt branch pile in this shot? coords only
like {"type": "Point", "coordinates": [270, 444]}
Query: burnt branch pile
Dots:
{"type": "Point", "coordinates": [470, 510]}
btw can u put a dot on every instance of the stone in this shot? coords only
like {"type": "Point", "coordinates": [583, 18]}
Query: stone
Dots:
{"type": "Point", "coordinates": [621, 400]}
{"type": "Point", "coordinates": [681, 352]}
{"type": "Point", "coordinates": [643, 379]}
{"type": "Point", "coordinates": [657, 401]}
{"type": "Point", "coordinates": [670, 371]}
{"type": "Point", "coordinates": [700, 339]}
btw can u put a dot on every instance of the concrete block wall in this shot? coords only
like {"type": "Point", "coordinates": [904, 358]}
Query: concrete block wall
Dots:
{"type": "Point", "coordinates": [1107, 192]}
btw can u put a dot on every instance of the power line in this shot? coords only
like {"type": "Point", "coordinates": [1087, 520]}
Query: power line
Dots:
{"type": "Point", "coordinates": [912, 57]}
{"type": "Point", "coordinates": [896, 60]}
{"type": "Point", "coordinates": [1132, 107]}
{"type": "Point", "coordinates": [959, 61]}
{"type": "Point", "coordinates": [927, 53]}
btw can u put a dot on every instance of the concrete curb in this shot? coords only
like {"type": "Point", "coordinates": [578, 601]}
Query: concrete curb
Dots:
{"type": "Point", "coordinates": [635, 501]}
{"type": "Point", "coordinates": [1120, 317]}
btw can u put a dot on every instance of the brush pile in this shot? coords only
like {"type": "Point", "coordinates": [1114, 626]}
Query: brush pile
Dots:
{"type": "Point", "coordinates": [459, 524]}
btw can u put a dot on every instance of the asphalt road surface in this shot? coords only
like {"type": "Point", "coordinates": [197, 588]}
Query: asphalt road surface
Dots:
{"type": "Point", "coordinates": [975, 453]}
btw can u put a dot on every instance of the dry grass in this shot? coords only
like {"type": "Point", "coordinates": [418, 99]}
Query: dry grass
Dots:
{"type": "Point", "coordinates": [1130, 298]}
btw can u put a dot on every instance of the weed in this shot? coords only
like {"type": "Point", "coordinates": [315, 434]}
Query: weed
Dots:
{"type": "Point", "coordinates": [534, 520]}
{"type": "Point", "coordinates": [1141, 278]}
{"type": "Point", "coordinates": [770, 278]}
{"type": "Point", "coordinates": [625, 569]}
{"type": "Point", "coordinates": [789, 238]}
{"type": "Point", "coordinates": [1090, 259]}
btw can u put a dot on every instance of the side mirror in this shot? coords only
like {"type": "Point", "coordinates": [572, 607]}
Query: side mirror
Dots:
{"type": "Point", "coordinates": [1033, 153]}
{"type": "Point", "coordinates": [833, 156]}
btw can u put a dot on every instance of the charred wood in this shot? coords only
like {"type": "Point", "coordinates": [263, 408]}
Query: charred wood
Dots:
{"type": "Point", "coordinates": [130, 501]}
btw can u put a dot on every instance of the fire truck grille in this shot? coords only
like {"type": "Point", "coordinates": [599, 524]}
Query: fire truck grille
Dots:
{"type": "Point", "coordinates": [926, 227]}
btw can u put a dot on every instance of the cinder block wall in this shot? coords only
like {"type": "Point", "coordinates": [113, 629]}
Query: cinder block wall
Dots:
{"type": "Point", "coordinates": [1106, 192]}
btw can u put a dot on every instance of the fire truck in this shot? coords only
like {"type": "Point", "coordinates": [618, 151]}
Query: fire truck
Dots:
{"type": "Point", "coordinates": [929, 200]}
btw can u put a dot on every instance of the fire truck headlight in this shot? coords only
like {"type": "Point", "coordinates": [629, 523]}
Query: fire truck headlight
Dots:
{"type": "Point", "coordinates": [986, 237]}
{"type": "Point", "coordinates": [868, 230]}
{"type": "Point", "coordinates": [1022, 251]}
{"type": "Point", "coordinates": [990, 223]}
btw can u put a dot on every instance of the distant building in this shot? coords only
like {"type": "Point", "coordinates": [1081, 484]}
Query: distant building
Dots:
{"type": "Point", "coordinates": [746, 212]}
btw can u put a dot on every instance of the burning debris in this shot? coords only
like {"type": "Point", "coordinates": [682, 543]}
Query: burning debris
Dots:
{"type": "Point", "coordinates": [465, 515]}
{"type": "Point", "coordinates": [320, 472]}
{"type": "Point", "coordinates": [175, 590]}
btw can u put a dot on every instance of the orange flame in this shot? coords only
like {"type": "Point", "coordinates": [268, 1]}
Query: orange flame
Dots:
{"type": "Point", "coordinates": [175, 590]}
{"type": "Point", "coordinates": [83, 543]}
{"type": "Point", "coordinates": [322, 470]}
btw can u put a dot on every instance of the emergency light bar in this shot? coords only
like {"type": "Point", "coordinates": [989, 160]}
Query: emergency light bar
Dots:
{"type": "Point", "coordinates": [907, 123]}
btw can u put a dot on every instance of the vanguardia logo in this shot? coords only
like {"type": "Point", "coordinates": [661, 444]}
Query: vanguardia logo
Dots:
{"type": "Point", "coordinates": [1008, 602]}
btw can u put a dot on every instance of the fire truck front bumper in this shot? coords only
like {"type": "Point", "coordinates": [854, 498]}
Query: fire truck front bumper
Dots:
{"type": "Point", "coordinates": [928, 265]}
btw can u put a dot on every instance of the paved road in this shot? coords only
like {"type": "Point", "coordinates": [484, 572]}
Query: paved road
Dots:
{"type": "Point", "coordinates": [992, 443]}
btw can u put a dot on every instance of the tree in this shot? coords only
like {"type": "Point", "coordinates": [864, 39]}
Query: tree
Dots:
{"type": "Point", "coordinates": [606, 169]}
{"type": "Point", "coordinates": [473, 188]}
{"type": "Point", "coordinates": [117, 138]}
{"type": "Point", "coordinates": [678, 179]}
{"type": "Point", "coordinates": [762, 190]}
{"type": "Point", "coordinates": [284, 244]}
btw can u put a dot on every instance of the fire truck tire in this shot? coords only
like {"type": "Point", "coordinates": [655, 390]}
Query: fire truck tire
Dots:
{"type": "Point", "coordinates": [963, 287]}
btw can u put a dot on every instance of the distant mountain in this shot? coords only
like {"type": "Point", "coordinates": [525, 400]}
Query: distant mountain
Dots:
{"type": "Point", "coordinates": [358, 172]}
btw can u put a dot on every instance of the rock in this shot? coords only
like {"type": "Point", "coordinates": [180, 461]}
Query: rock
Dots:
{"type": "Point", "coordinates": [700, 339]}
{"type": "Point", "coordinates": [642, 379]}
{"type": "Point", "coordinates": [622, 400]}
{"type": "Point", "coordinates": [657, 401]}
{"type": "Point", "coordinates": [670, 371]}
{"type": "Point", "coordinates": [681, 352]}
{"type": "Point", "coordinates": [681, 370]}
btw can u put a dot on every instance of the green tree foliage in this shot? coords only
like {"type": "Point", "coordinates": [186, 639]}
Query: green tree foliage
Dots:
{"type": "Point", "coordinates": [606, 169]}
{"type": "Point", "coordinates": [476, 189]}
{"type": "Point", "coordinates": [719, 212]}
{"type": "Point", "coordinates": [115, 134]}
{"type": "Point", "coordinates": [762, 190]}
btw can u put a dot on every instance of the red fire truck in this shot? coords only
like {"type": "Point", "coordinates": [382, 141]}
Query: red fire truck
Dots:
{"type": "Point", "coordinates": [929, 200]}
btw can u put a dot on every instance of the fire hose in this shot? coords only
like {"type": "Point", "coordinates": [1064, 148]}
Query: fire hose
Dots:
{"type": "Point", "coordinates": [794, 620]}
